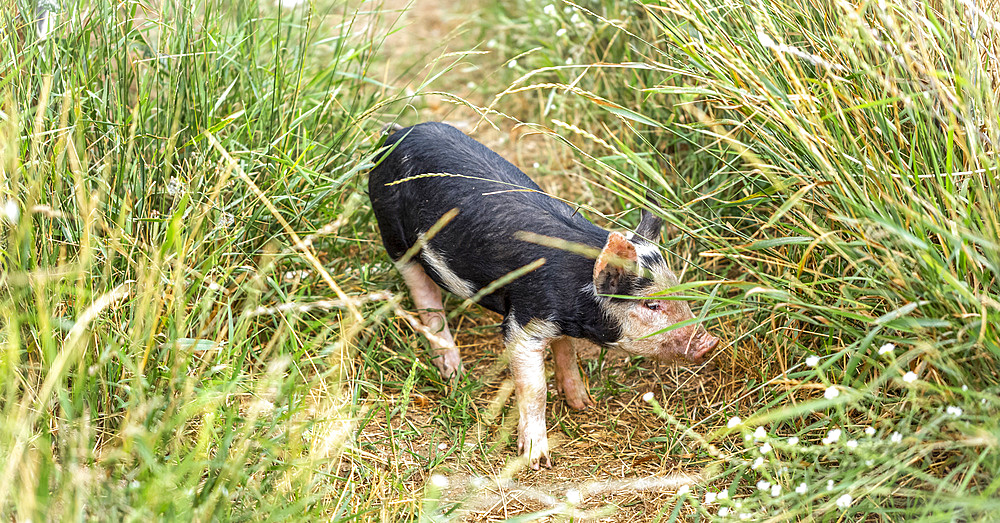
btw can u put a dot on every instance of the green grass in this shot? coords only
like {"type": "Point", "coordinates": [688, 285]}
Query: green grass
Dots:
{"type": "Point", "coordinates": [834, 165]}
{"type": "Point", "coordinates": [198, 322]}
{"type": "Point", "coordinates": [161, 164]}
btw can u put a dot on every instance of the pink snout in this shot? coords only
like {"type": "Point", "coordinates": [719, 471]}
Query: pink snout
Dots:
{"type": "Point", "coordinates": [705, 343]}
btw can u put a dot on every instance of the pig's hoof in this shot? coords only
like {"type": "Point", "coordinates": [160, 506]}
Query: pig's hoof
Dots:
{"type": "Point", "coordinates": [535, 451]}
{"type": "Point", "coordinates": [580, 400]}
{"type": "Point", "coordinates": [449, 367]}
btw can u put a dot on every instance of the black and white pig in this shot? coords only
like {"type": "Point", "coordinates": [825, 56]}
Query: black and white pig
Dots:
{"type": "Point", "coordinates": [570, 297]}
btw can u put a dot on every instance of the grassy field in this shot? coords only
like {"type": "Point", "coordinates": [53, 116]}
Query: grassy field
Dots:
{"type": "Point", "coordinates": [199, 323]}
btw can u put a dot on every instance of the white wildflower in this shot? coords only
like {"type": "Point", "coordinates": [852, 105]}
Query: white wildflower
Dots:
{"type": "Point", "coordinates": [765, 448]}
{"type": "Point", "coordinates": [439, 481]}
{"type": "Point", "coordinates": [794, 440]}
{"type": "Point", "coordinates": [870, 431]}
{"type": "Point", "coordinates": [723, 512]}
{"type": "Point", "coordinates": [802, 489]}
{"type": "Point", "coordinates": [831, 392]}
{"type": "Point", "coordinates": [965, 388]}
{"type": "Point", "coordinates": [734, 421]}
{"type": "Point", "coordinates": [683, 490]}
{"type": "Point", "coordinates": [910, 377]}
{"type": "Point", "coordinates": [763, 484]}
{"type": "Point", "coordinates": [812, 361]}
{"type": "Point", "coordinates": [760, 433]}
{"type": "Point", "coordinates": [869, 462]}
{"type": "Point", "coordinates": [710, 497]}
{"type": "Point", "coordinates": [775, 491]}
{"type": "Point", "coordinates": [844, 501]}
{"type": "Point", "coordinates": [757, 463]}
{"type": "Point", "coordinates": [886, 349]}
{"type": "Point", "coordinates": [573, 496]}
{"type": "Point", "coordinates": [954, 411]}
{"type": "Point", "coordinates": [442, 446]}
{"type": "Point", "coordinates": [829, 484]}
{"type": "Point", "coordinates": [174, 186]}
{"type": "Point", "coordinates": [896, 437]}
{"type": "Point", "coordinates": [536, 165]}
{"type": "Point", "coordinates": [561, 32]}
{"type": "Point", "coordinates": [852, 443]}
{"type": "Point", "coordinates": [11, 211]}
{"type": "Point", "coordinates": [723, 494]}
{"type": "Point", "coordinates": [832, 436]}
{"type": "Point", "coordinates": [647, 397]}
{"type": "Point", "coordinates": [512, 64]}
{"type": "Point", "coordinates": [549, 10]}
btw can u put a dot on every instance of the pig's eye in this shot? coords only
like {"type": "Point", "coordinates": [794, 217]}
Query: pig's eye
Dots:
{"type": "Point", "coordinates": [652, 305]}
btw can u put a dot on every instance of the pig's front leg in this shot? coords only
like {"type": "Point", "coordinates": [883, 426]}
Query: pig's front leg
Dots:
{"type": "Point", "coordinates": [527, 364]}
{"type": "Point", "coordinates": [568, 379]}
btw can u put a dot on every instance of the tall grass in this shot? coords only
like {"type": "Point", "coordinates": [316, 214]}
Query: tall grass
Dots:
{"type": "Point", "coordinates": [834, 165]}
{"type": "Point", "coordinates": [167, 171]}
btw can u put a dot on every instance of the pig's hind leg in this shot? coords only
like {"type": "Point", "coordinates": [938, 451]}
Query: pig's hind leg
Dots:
{"type": "Point", "coordinates": [427, 298]}
{"type": "Point", "coordinates": [569, 382]}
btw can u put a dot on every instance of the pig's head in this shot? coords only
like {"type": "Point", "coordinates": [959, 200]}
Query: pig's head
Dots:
{"type": "Point", "coordinates": [634, 268]}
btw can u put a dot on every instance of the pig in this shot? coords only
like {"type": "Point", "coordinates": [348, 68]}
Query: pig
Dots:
{"type": "Point", "coordinates": [431, 168]}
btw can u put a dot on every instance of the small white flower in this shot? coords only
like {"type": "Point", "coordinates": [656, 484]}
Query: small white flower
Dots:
{"type": "Point", "coordinates": [896, 437]}
{"type": "Point", "coordinates": [561, 32]}
{"type": "Point", "coordinates": [549, 10]}
{"type": "Point", "coordinates": [470, 85]}
{"type": "Point", "coordinates": [829, 484]}
{"type": "Point", "coordinates": [831, 392]}
{"type": "Point", "coordinates": [760, 433]}
{"type": "Point", "coordinates": [763, 484]}
{"type": "Point", "coordinates": [852, 443]}
{"type": "Point", "coordinates": [812, 361]}
{"type": "Point", "coordinates": [491, 44]}
{"type": "Point", "coordinates": [965, 388]}
{"type": "Point", "coordinates": [844, 501]}
{"type": "Point", "coordinates": [802, 488]}
{"type": "Point", "coordinates": [832, 436]}
{"type": "Point", "coordinates": [11, 211]}
{"type": "Point", "coordinates": [794, 440]}
{"type": "Point", "coordinates": [765, 448]}
{"type": "Point", "coordinates": [910, 377]}
{"type": "Point", "coordinates": [512, 64]}
{"type": "Point", "coordinates": [775, 491]}
{"type": "Point", "coordinates": [870, 431]}
{"type": "Point", "coordinates": [575, 18]}
{"type": "Point", "coordinates": [723, 512]}
{"type": "Point", "coordinates": [647, 397]}
{"type": "Point", "coordinates": [886, 349]}
{"type": "Point", "coordinates": [734, 421]}
{"type": "Point", "coordinates": [757, 463]}
{"type": "Point", "coordinates": [869, 462]}
{"type": "Point", "coordinates": [744, 516]}
{"type": "Point", "coordinates": [723, 494]}
{"type": "Point", "coordinates": [954, 411]}
{"type": "Point", "coordinates": [683, 490]}
{"type": "Point", "coordinates": [573, 496]}
{"type": "Point", "coordinates": [439, 481]}
{"type": "Point", "coordinates": [174, 186]}
{"type": "Point", "coordinates": [710, 497]}
{"type": "Point", "coordinates": [569, 61]}
{"type": "Point", "coordinates": [442, 446]}
{"type": "Point", "coordinates": [537, 165]}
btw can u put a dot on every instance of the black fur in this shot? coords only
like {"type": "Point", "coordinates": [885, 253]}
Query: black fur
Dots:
{"type": "Point", "coordinates": [495, 201]}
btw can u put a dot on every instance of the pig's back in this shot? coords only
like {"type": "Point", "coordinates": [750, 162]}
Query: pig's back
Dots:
{"type": "Point", "coordinates": [433, 168]}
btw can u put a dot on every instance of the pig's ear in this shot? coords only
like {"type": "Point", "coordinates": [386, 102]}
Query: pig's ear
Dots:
{"type": "Point", "coordinates": [609, 274]}
{"type": "Point", "coordinates": [649, 226]}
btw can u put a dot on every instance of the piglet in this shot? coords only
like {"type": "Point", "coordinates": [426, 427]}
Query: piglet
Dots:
{"type": "Point", "coordinates": [429, 169]}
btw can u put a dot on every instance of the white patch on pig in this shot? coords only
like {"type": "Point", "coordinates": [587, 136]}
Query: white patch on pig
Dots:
{"type": "Point", "coordinates": [452, 282]}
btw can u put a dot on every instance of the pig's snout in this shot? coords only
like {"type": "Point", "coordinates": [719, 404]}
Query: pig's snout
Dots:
{"type": "Point", "coordinates": [705, 343]}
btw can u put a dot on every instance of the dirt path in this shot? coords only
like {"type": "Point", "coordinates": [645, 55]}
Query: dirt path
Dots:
{"type": "Point", "coordinates": [617, 454]}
